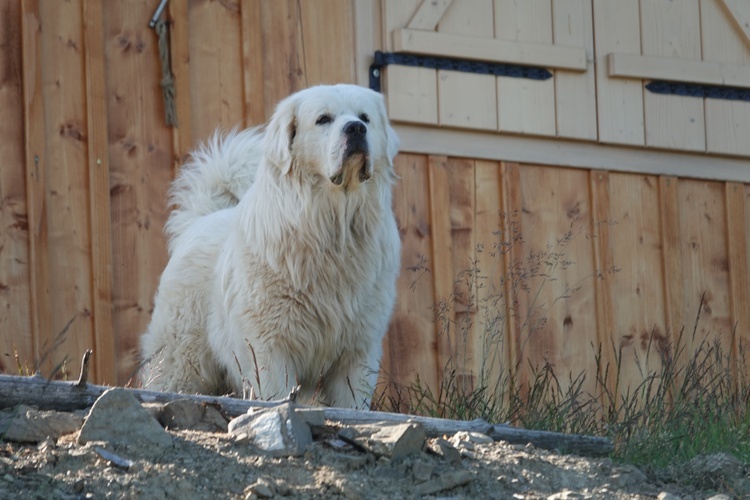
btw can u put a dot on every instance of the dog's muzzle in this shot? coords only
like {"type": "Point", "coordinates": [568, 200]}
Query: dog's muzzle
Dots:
{"type": "Point", "coordinates": [356, 153]}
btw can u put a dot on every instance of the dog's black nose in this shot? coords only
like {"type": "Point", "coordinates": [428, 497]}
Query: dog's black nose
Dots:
{"type": "Point", "coordinates": [355, 129]}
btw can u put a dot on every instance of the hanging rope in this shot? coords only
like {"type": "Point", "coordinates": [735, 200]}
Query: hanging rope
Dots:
{"type": "Point", "coordinates": [167, 80]}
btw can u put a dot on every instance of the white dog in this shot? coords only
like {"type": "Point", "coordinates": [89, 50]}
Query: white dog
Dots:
{"type": "Point", "coordinates": [284, 254]}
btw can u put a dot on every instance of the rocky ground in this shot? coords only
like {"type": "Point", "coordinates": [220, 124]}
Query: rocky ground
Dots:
{"type": "Point", "coordinates": [119, 449]}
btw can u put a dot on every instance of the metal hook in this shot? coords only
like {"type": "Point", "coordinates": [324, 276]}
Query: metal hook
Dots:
{"type": "Point", "coordinates": [157, 13]}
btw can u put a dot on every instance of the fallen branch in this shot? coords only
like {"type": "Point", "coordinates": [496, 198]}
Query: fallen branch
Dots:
{"type": "Point", "coordinates": [69, 396]}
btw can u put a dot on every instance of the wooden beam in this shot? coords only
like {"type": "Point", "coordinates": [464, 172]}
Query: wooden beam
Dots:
{"type": "Point", "coordinates": [489, 49]}
{"type": "Point", "coordinates": [566, 153]}
{"type": "Point", "coordinates": [739, 11]}
{"type": "Point", "coordinates": [98, 173]}
{"type": "Point", "coordinates": [428, 14]}
{"type": "Point", "coordinates": [678, 70]}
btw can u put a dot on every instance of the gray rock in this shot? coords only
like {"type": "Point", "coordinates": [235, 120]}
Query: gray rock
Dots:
{"type": "Point", "coordinates": [279, 431]}
{"type": "Point", "coordinates": [422, 471]}
{"type": "Point", "coordinates": [190, 415]}
{"type": "Point", "coordinates": [29, 425]}
{"type": "Point", "coordinates": [118, 418]}
{"type": "Point", "coordinates": [443, 448]}
{"type": "Point", "coordinates": [392, 441]}
{"type": "Point", "coordinates": [665, 495]}
{"type": "Point", "coordinates": [443, 482]}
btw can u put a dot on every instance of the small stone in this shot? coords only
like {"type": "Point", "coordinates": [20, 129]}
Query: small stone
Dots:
{"type": "Point", "coordinates": [664, 495]}
{"type": "Point", "coordinates": [262, 488]}
{"type": "Point", "coordinates": [444, 482]}
{"type": "Point", "coordinates": [118, 418]}
{"type": "Point", "coordinates": [471, 437]}
{"type": "Point", "coordinates": [395, 441]}
{"type": "Point", "coordinates": [278, 431]}
{"type": "Point", "coordinates": [445, 449]}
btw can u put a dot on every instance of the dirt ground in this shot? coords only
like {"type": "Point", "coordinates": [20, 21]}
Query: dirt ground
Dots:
{"type": "Point", "coordinates": [215, 465]}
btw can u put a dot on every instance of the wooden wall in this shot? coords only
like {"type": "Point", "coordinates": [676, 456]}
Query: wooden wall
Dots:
{"type": "Point", "coordinates": [623, 260]}
{"type": "Point", "coordinates": [86, 159]}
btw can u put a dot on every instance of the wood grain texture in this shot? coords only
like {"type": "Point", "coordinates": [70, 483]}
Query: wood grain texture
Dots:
{"type": "Point", "coordinates": [523, 105]}
{"type": "Point", "coordinates": [672, 30]}
{"type": "Point", "coordinates": [490, 325]}
{"type": "Point", "coordinates": [99, 207]}
{"type": "Point", "coordinates": [410, 348]}
{"type": "Point", "coordinates": [464, 99]}
{"type": "Point", "coordinates": [705, 265]}
{"type": "Point", "coordinates": [739, 278]}
{"type": "Point", "coordinates": [140, 160]}
{"type": "Point", "coordinates": [441, 264]}
{"type": "Point", "coordinates": [34, 162]}
{"type": "Point", "coordinates": [554, 286]}
{"type": "Point", "coordinates": [429, 13]}
{"type": "Point", "coordinates": [619, 102]}
{"type": "Point", "coordinates": [66, 184]}
{"type": "Point", "coordinates": [462, 188]}
{"type": "Point", "coordinates": [669, 216]}
{"type": "Point", "coordinates": [15, 273]}
{"type": "Point", "coordinates": [216, 71]}
{"type": "Point", "coordinates": [640, 320]}
{"type": "Point", "coordinates": [602, 246]}
{"type": "Point", "coordinates": [327, 38]}
{"type": "Point", "coordinates": [575, 92]}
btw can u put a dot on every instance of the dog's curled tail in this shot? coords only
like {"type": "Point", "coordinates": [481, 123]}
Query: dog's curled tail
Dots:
{"type": "Point", "coordinates": [215, 177]}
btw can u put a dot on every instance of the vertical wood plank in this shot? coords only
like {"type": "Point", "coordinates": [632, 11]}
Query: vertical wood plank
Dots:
{"type": "Point", "coordinates": [669, 216]}
{"type": "Point", "coordinates": [727, 122]}
{"type": "Point", "coordinates": [640, 317]}
{"type": "Point", "coordinates": [284, 53]}
{"type": "Point", "coordinates": [16, 333]}
{"type": "Point", "coordinates": [411, 93]}
{"type": "Point", "coordinates": [67, 185]}
{"type": "Point", "coordinates": [525, 106]}
{"type": "Point", "coordinates": [179, 46]}
{"type": "Point", "coordinates": [328, 41]}
{"type": "Point", "coordinates": [252, 57]}
{"type": "Point", "coordinates": [35, 162]}
{"type": "Point", "coordinates": [556, 308]}
{"type": "Point", "coordinates": [602, 243]}
{"type": "Point", "coordinates": [410, 350]}
{"type": "Point", "coordinates": [368, 38]}
{"type": "Point", "coordinates": [490, 327]}
{"type": "Point", "coordinates": [215, 66]}
{"type": "Point", "coordinates": [575, 93]}
{"type": "Point", "coordinates": [438, 179]}
{"type": "Point", "coordinates": [672, 29]}
{"type": "Point", "coordinates": [461, 183]}
{"type": "Point", "coordinates": [140, 160]}
{"type": "Point", "coordinates": [619, 101]}
{"type": "Point", "coordinates": [705, 262]}
{"type": "Point", "coordinates": [512, 203]}
{"type": "Point", "coordinates": [99, 208]}
{"type": "Point", "coordinates": [739, 280]}
{"type": "Point", "coordinates": [467, 100]}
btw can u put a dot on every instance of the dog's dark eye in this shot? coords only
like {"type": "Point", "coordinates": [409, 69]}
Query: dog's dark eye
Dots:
{"type": "Point", "coordinates": [323, 119]}
{"type": "Point", "coordinates": [364, 118]}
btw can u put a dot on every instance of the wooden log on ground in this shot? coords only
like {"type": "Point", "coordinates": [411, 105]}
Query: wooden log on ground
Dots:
{"type": "Point", "coordinates": [69, 396]}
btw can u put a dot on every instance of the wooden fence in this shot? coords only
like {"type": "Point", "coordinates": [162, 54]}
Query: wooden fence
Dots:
{"type": "Point", "coordinates": [86, 159]}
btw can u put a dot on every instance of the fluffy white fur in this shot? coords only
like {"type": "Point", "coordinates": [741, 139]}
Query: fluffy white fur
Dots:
{"type": "Point", "coordinates": [284, 254]}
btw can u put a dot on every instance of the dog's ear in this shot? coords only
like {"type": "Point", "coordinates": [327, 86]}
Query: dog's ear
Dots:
{"type": "Point", "coordinates": [280, 133]}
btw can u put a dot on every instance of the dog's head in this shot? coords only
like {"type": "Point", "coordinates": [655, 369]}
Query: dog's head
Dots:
{"type": "Point", "coordinates": [339, 133]}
